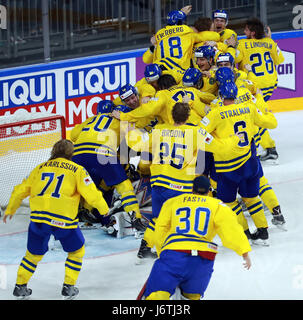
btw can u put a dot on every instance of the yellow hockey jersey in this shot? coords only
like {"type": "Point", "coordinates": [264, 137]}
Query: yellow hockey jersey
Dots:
{"type": "Point", "coordinates": [55, 188]}
{"type": "Point", "coordinates": [226, 34]}
{"type": "Point", "coordinates": [209, 83]}
{"type": "Point", "coordinates": [244, 94]}
{"type": "Point", "coordinates": [100, 134]}
{"type": "Point", "coordinates": [263, 55]}
{"type": "Point", "coordinates": [238, 118]}
{"type": "Point", "coordinates": [174, 153]}
{"type": "Point", "coordinates": [144, 90]}
{"type": "Point", "coordinates": [191, 221]}
{"type": "Point", "coordinates": [174, 45]}
{"type": "Point", "coordinates": [161, 106]}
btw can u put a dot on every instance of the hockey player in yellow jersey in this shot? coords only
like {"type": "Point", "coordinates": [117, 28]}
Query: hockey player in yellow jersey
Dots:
{"type": "Point", "coordinates": [220, 21]}
{"type": "Point", "coordinates": [205, 61]}
{"type": "Point", "coordinates": [245, 78]}
{"type": "Point", "coordinates": [96, 148]}
{"type": "Point", "coordinates": [229, 44]}
{"type": "Point", "coordinates": [184, 233]}
{"type": "Point", "coordinates": [193, 78]}
{"type": "Point", "coordinates": [264, 55]}
{"type": "Point", "coordinates": [147, 86]}
{"type": "Point", "coordinates": [266, 192]}
{"type": "Point", "coordinates": [238, 170]}
{"type": "Point", "coordinates": [54, 188]}
{"type": "Point", "coordinates": [174, 43]}
{"type": "Point", "coordinates": [132, 99]}
{"type": "Point", "coordinates": [161, 106]}
{"type": "Point", "coordinates": [173, 150]}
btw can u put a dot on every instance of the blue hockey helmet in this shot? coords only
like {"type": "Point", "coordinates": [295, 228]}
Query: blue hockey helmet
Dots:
{"type": "Point", "coordinates": [225, 74]}
{"type": "Point", "coordinates": [105, 106]}
{"type": "Point", "coordinates": [222, 14]}
{"type": "Point", "coordinates": [225, 57]}
{"type": "Point", "coordinates": [175, 17]}
{"type": "Point", "coordinates": [193, 78]}
{"type": "Point", "coordinates": [228, 90]}
{"type": "Point", "coordinates": [126, 91]}
{"type": "Point", "coordinates": [205, 52]}
{"type": "Point", "coordinates": [152, 72]}
{"type": "Point", "coordinates": [123, 108]}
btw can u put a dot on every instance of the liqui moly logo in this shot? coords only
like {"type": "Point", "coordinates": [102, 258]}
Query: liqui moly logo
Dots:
{"type": "Point", "coordinates": [85, 87]}
{"type": "Point", "coordinates": [32, 93]}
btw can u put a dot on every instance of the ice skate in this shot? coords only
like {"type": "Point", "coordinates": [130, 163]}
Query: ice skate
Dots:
{"type": "Point", "coordinates": [69, 292]}
{"type": "Point", "coordinates": [278, 219]}
{"type": "Point", "coordinates": [145, 252]}
{"type": "Point", "coordinates": [260, 237]}
{"type": "Point", "coordinates": [22, 292]}
{"type": "Point", "coordinates": [270, 157]}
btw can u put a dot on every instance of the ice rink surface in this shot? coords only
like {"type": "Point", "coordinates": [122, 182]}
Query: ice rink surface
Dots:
{"type": "Point", "coordinates": [109, 271]}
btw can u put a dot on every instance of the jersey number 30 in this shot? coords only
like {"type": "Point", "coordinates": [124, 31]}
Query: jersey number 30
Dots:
{"type": "Point", "coordinates": [199, 224]}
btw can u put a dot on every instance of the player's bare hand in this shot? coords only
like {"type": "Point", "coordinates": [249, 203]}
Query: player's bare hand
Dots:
{"type": "Point", "coordinates": [206, 74]}
{"type": "Point", "coordinates": [231, 41]}
{"type": "Point", "coordinates": [187, 9]}
{"type": "Point", "coordinates": [247, 66]}
{"type": "Point", "coordinates": [267, 32]}
{"type": "Point", "coordinates": [186, 99]}
{"type": "Point", "coordinates": [116, 114]}
{"type": "Point", "coordinates": [145, 99]}
{"type": "Point", "coordinates": [207, 109]}
{"type": "Point", "coordinates": [7, 216]}
{"type": "Point", "coordinates": [259, 91]}
{"type": "Point", "coordinates": [212, 27]}
{"type": "Point", "coordinates": [247, 262]}
{"type": "Point", "coordinates": [153, 40]}
{"type": "Point", "coordinates": [210, 43]}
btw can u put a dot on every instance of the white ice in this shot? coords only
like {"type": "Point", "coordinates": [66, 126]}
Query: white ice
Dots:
{"type": "Point", "coordinates": [109, 271]}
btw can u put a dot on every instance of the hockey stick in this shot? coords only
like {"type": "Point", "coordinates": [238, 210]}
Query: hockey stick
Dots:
{"type": "Point", "coordinates": [141, 293]}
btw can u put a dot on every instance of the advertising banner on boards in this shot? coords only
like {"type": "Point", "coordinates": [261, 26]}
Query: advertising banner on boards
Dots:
{"type": "Point", "coordinates": [74, 87]}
